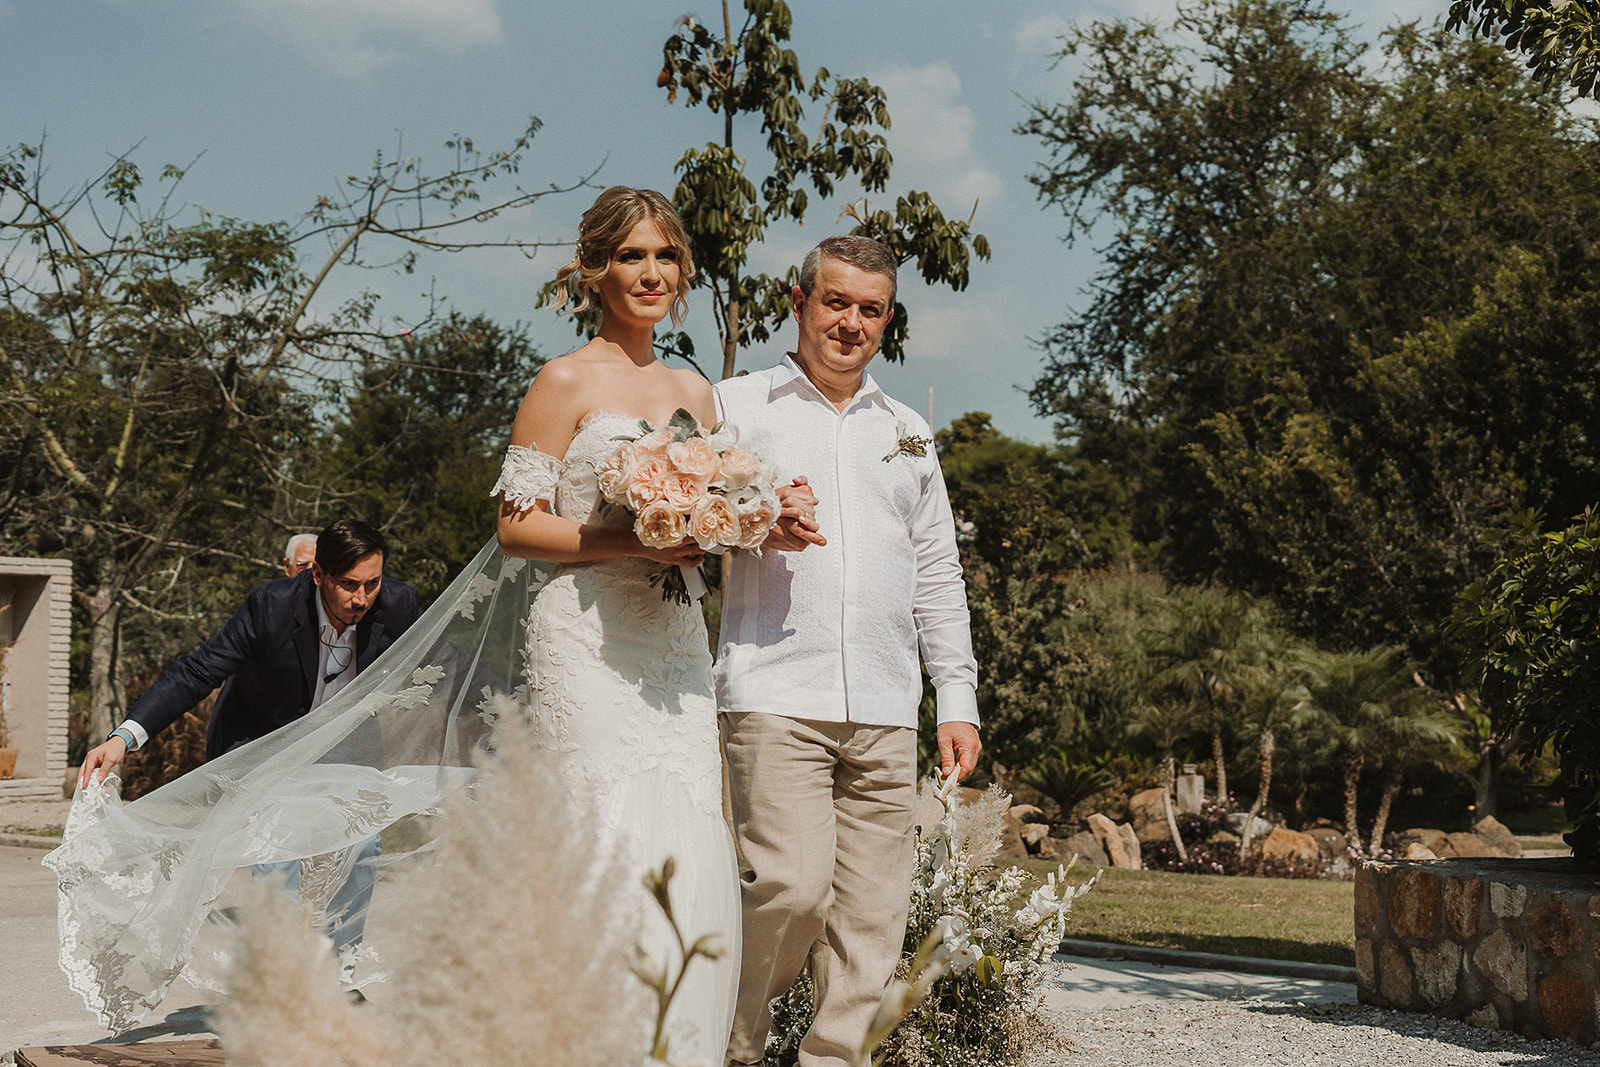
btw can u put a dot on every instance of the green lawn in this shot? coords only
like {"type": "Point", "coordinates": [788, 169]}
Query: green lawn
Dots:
{"type": "Point", "coordinates": [1270, 918]}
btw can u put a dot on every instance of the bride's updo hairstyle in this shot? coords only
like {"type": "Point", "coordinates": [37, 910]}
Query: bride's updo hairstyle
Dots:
{"type": "Point", "coordinates": [601, 232]}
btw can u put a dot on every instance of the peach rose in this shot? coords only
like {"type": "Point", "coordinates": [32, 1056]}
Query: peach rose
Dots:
{"type": "Point", "coordinates": [694, 457]}
{"type": "Point", "coordinates": [648, 481]}
{"type": "Point", "coordinates": [682, 491]}
{"type": "Point", "coordinates": [713, 522]}
{"type": "Point", "coordinates": [739, 468]}
{"type": "Point", "coordinates": [660, 525]}
{"type": "Point", "coordinates": [757, 512]}
{"type": "Point", "coordinates": [616, 473]}
{"type": "Point", "coordinates": [656, 442]}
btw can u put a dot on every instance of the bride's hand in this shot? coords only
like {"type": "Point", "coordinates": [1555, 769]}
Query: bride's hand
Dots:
{"type": "Point", "coordinates": [683, 554]}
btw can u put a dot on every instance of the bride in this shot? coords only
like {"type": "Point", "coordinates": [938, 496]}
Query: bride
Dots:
{"type": "Point", "coordinates": [620, 674]}
{"type": "Point", "coordinates": [559, 621]}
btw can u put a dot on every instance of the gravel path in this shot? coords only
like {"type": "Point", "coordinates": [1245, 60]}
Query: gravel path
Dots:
{"type": "Point", "coordinates": [1242, 1033]}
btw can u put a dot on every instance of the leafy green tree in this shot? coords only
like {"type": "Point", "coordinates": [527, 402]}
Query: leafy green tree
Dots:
{"type": "Point", "coordinates": [1561, 38]}
{"type": "Point", "coordinates": [749, 70]}
{"type": "Point", "coordinates": [159, 377]}
{"type": "Point", "coordinates": [1531, 627]}
{"type": "Point", "coordinates": [1268, 700]}
{"type": "Point", "coordinates": [1347, 321]}
{"type": "Point", "coordinates": [420, 443]}
{"type": "Point", "coordinates": [1368, 703]}
{"type": "Point", "coordinates": [1018, 551]}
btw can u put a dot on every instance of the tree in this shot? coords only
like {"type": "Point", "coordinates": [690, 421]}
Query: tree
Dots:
{"type": "Point", "coordinates": [752, 72]}
{"type": "Point", "coordinates": [1268, 701]}
{"type": "Point", "coordinates": [1368, 703]}
{"type": "Point", "coordinates": [1529, 627]}
{"type": "Point", "coordinates": [1018, 550]}
{"type": "Point", "coordinates": [1561, 38]}
{"type": "Point", "coordinates": [420, 443]}
{"type": "Point", "coordinates": [1215, 645]}
{"type": "Point", "coordinates": [159, 376]}
{"type": "Point", "coordinates": [1347, 323]}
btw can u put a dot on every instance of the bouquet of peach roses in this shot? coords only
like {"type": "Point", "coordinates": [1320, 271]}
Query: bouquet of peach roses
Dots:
{"type": "Point", "coordinates": [682, 481]}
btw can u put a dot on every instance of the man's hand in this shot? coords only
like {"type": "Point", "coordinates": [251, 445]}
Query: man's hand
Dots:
{"type": "Point", "coordinates": [796, 527]}
{"type": "Point", "coordinates": [101, 759]}
{"type": "Point", "coordinates": [958, 748]}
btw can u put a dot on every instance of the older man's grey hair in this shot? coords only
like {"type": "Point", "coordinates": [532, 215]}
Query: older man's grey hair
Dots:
{"type": "Point", "coordinates": [296, 541]}
{"type": "Point", "coordinates": [862, 253]}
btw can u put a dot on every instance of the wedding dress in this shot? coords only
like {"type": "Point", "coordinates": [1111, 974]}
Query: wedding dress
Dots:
{"type": "Point", "coordinates": [611, 678]}
{"type": "Point", "coordinates": [621, 684]}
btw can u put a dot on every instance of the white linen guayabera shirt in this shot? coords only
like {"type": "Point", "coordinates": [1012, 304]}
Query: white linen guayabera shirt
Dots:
{"type": "Point", "coordinates": [832, 633]}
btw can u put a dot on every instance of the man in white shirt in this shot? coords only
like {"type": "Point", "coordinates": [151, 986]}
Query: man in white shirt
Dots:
{"type": "Point", "coordinates": [817, 672]}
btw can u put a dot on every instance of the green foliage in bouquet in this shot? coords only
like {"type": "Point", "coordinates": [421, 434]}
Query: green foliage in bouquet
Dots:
{"type": "Point", "coordinates": [1531, 628]}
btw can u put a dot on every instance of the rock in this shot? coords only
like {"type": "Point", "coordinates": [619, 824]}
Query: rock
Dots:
{"type": "Point", "coordinates": [1432, 840]}
{"type": "Point", "coordinates": [1284, 848]}
{"type": "Point", "coordinates": [1130, 844]}
{"type": "Point", "coordinates": [1028, 813]}
{"type": "Point", "coordinates": [1236, 820]}
{"type": "Point", "coordinates": [1113, 839]}
{"type": "Point", "coordinates": [1468, 845]}
{"type": "Point", "coordinates": [1225, 838]}
{"type": "Point", "coordinates": [1436, 968]}
{"type": "Point", "coordinates": [1564, 1002]}
{"type": "Point", "coordinates": [1461, 899]}
{"type": "Point", "coordinates": [1148, 817]}
{"type": "Point", "coordinates": [1394, 975]}
{"type": "Point", "coordinates": [1556, 934]}
{"type": "Point", "coordinates": [1330, 839]}
{"type": "Point", "coordinates": [1505, 963]}
{"type": "Point", "coordinates": [1034, 835]}
{"type": "Point", "coordinates": [1494, 831]}
{"type": "Point", "coordinates": [1011, 845]}
{"type": "Point", "coordinates": [1415, 851]}
{"type": "Point", "coordinates": [1339, 869]}
{"type": "Point", "coordinates": [1084, 845]}
{"type": "Point", "coordinates": [1416, 900]}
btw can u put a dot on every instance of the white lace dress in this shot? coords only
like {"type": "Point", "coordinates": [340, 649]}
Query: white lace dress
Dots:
{"type": "Point", "coordinates": [620, 684]}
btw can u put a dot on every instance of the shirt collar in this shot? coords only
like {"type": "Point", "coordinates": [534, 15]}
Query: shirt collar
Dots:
{"type": "Point", "coordinates": [790, 378]}
{"type": "Point", "coordinates": [325, 624]}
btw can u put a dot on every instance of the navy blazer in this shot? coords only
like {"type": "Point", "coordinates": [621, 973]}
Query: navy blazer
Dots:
{"type": "Point", "coordinates": [267, 656]}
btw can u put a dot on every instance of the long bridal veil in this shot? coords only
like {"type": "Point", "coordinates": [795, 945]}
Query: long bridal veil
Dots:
{"type": "Point", "coordinates": [335, 803]}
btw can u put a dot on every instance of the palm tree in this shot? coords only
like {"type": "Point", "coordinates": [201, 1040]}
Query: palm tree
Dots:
{"type": "Point", "coordinates": [1165, 722]}
{"type": "Point", "coordinates": [1367, 702]}
{"type": "Point", "coordinates": [1214, 645]}
{"type": "Point", "coordinates": [1269, 701]}
{"type": "Point", "coordinates": [1422, 737]}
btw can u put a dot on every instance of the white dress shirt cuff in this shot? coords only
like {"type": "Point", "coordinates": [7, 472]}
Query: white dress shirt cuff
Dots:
{"type": "Point", "coordinates": [141, 736]}
{"type": "Point", "coordinates": [957, 702]}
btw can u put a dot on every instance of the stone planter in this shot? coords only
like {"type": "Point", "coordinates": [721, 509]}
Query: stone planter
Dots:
{"type": "Point", "coordinates": [1503, 944]}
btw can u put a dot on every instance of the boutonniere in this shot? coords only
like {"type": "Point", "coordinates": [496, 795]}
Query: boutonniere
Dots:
{"type": "Point", "coordinates": [908, 444]}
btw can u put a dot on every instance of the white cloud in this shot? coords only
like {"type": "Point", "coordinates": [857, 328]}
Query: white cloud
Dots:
{"type": "Point", "coordinates": [358, 36]}
{"type": "Point", "coordinates": [932, 138]}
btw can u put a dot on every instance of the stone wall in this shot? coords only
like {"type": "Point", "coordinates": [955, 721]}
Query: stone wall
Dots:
{"type": "Point", "coordinates": [1501, 943]}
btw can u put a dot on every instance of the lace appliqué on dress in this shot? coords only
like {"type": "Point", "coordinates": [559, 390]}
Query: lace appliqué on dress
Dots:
{"type": "Point", "coordinates": [527, 476]}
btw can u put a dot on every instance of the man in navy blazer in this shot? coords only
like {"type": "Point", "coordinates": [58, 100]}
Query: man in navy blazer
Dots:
{"type": "Point", "coordinates": [294, 643]}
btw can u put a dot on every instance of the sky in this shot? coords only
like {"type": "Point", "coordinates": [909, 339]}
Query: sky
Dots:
{"type": "Point", "coordinates": [268, 104]}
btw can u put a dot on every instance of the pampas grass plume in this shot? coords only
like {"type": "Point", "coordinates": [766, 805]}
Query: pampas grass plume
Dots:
{"type": "Point", "coordinates": [514, 948]}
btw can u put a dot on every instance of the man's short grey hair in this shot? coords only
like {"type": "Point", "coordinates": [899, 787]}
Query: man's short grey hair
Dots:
{"type": "Point", "coordinates": [862, 253]}
{"type": "Point", "coordinates": [296, 541]}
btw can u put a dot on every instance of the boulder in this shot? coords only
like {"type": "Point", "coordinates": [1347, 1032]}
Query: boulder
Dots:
{"type": "Point", "coordinates": [1415, 851]}
{"type": "Point", "coordinates": [1290, 848]}
{"type": "Point", "coordinates": [1236, 820]}
{"type": "Point", "coordinates": [1468, 845]}
{"type": "Point", "coordinates": [1225, 838]}
{"type": "Point", "coordinates": [1432, 840]}
{"type": "Point", "coordinates": [1011, 845]}
{"type": "Point", "coordinates": [1329, 839]}
{"type": "Point", "coordinates": [1033, 836]}
{"type": "Point", "coordinates": [1494, 831]}
{"type": "Point", "coordinates": [1114, 841]}
{"type": "Point", "coordinates": [1028, 813]}
{"type": "Point", "coordinates": [1082, 844]}
{"type": "Point", "coordinates": [1148, 818]}
{"type": "Point", "coordinates": [1130, 844]}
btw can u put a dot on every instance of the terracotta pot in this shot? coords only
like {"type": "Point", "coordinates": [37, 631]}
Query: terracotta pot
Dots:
{"type": "Point", "coordinates": [8, 762]}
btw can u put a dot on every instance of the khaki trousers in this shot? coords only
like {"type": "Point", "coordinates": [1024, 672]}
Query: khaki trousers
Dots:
{"type": "Point", "coordinates": [822, 813]}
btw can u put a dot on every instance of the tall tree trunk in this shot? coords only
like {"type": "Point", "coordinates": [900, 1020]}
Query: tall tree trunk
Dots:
{"type": "Point", "coordinates": [1168, 774]}
{"type": "Point", "coordinates": [1391, 789]}
{"type": "Point", "coordinates": [1264, 750]}
{"type": "Point", "coordinates": [1350, 762]}
{"type": "Point", "coordinates": [1302, 787]}
{"type": "Point", "coordinates": [1217, 755]}
{"type": "Point", "coordinates": [1486, 798]}
{"type": "Point", "coordinates": [106, 699]}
